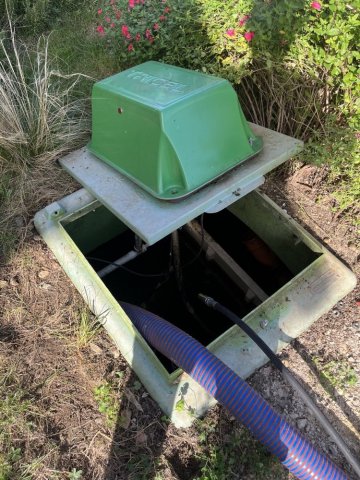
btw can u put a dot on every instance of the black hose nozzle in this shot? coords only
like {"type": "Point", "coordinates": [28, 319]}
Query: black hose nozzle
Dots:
{"type": "Point", "coordinates": [209, 302]}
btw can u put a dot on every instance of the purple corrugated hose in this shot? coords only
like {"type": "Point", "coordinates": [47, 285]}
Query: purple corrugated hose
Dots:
{"type": "Point", "coordinates": [292, 449]}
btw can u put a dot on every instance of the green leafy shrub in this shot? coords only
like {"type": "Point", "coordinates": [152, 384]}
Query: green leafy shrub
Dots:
{"type": "Point", "coordinates": [324, 37]}
{"type": "Point", "coordinates": [247, 30]}
{"type": "Point", "coordinates": [329, 43]}
{"type": "Point", "coordinates": [283, 29]}
{"type": "Point", "coordinates": [152, 29]}
{"type": "Point", "coordinates": [133, 23]}
{"type": "Point", "coordinates": [137, 29]}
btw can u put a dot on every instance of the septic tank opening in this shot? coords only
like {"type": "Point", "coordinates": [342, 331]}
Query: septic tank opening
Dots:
{"type": "Point", "coordinates": [150, 280]}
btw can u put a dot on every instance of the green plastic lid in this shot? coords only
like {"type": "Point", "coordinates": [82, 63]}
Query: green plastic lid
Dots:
{"type": "Point", "coordinates": [169, 129]}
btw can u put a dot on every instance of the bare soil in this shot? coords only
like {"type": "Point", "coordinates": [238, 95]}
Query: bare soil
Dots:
{"type": "Point", "coordinates": [61, 431]}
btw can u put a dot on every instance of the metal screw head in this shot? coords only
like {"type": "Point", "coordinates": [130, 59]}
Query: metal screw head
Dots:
{"type": "Point", "coordinates": [264, 323]}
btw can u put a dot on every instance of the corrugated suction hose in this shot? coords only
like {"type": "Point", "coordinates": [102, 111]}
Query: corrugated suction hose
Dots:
{"type": "Point", "coordinates": [292, 449]}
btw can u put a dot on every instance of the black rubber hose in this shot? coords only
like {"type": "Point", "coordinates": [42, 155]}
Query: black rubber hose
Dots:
{"type": "Point", "coordinates": [289, 377]}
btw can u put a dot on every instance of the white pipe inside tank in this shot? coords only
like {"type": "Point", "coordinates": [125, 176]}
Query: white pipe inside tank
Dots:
{"type": "Point", "coordinates": [139, 248]}
{"type": "Point", "coordinates": [117, 263]}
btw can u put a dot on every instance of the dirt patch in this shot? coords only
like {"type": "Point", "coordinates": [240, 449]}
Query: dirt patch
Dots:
{"type": "Point", "coordinates": [80, 413]}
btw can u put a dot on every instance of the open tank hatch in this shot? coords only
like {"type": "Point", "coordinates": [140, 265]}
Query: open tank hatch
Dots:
{"type": "Point", "coordinates": [279, 278]}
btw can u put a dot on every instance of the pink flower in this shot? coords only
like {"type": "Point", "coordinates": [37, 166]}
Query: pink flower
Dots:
{"type": "Point", "coordinates": [112, 25]}
{"type": "Point", "coordinates": [151, 39]}
{"type": "Point", "coordinates": [100, 30]}
{"type": "Point", "coordinates": [243, 20]}
{"type": "Point", "coordinates": [166, 10]}
{"type": "Point", "coordinates": [138, 37]}
{"type": "Point", "coordinates": [156, 26]}
{"type": "Point", "coordinates": [131, 3]}
{"type": "Point", "coordinates": [118, 15]}
{"type": "Point", "coordinates": [315, 5]}
{"type": "Point", "coordinates": [107, 19]}
{"type": "Point", "coordinates": [230, 32]}
{"type": "Point", "coordinates": [162, 18]}
{"type": "Point", "coordinates": [125, 30]}
{"type": "Point", "coordinates": [130, 47]}
{"type": "Point", "coordinates": [147, 33]}
{"type": "Point", "coordinates": [100, 11]}
{"type": "Point", "coordinates": [249, 36]}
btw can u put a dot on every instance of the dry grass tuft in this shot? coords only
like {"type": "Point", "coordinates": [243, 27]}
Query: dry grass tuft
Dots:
{"type": "Point", "coordinates": [40, 120]}
{"type": "Point", "coordinates": [286, 100]}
